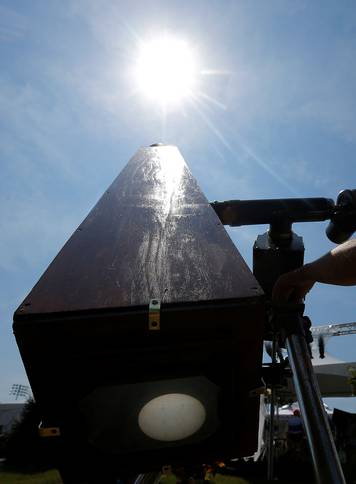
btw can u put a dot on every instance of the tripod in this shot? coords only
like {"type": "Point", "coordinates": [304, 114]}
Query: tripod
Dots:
{"type": "Point", "coordinates": [278, 251]}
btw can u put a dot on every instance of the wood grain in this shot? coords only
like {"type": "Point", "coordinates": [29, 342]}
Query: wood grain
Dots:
{"type": "Point", "coordinates": [153, 234]}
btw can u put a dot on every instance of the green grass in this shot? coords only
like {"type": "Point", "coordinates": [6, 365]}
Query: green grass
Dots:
{"type": "Point", "coordinates": [53, 477]}
{"type": "Point", "coordinates": [49, 477]}
{"type": "Point", "coordinates": [221, 479]}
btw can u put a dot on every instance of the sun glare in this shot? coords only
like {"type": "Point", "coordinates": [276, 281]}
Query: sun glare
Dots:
{"type": "Point", "coordinates": [166, 71]}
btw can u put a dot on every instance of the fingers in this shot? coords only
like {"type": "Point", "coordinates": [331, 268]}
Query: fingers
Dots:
{"type": "Point", "coordinates": [291, 287]}
{"type": "Point", "coordinates": [284, 288]}
{"type": "Point", "coordinates": [281, 292]}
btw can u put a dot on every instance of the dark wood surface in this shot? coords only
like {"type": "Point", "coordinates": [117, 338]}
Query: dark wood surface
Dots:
{"type": "Point", "coordinates": [85, 327]}
{"type": "Point", "coordinates": [153, 234]}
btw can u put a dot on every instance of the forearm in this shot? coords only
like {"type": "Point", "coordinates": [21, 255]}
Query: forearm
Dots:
{"type": "Point", "coordinates": [336, 267]}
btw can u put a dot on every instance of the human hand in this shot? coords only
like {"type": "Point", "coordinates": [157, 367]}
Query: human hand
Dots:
{"type": "Point", "coordinates": [292, 287]}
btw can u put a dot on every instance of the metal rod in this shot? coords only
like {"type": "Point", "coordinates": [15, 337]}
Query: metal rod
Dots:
{"type": "Point", "coordinates": [334, 329]}
{"type": "Point", "coordinates": [251, 212]}
{"type": "Point", "coordinates": [270, 468]}
{"type": "Point", "coordinates": [326, 462]}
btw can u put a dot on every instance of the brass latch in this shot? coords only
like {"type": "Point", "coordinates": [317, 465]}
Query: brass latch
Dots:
{"type": "Point", "coordinates": [48, 431]}
{"type": "Point", "coordinates": [154, 315]}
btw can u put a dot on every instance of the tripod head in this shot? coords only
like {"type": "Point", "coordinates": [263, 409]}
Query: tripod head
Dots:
{"type": "Point", "coordinates": [280, 250]}
{"type": "Point", "coordinates": [281, 213]}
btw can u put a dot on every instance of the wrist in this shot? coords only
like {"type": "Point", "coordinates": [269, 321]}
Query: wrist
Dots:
{"type": "Point", "coordinates": [307, 273]}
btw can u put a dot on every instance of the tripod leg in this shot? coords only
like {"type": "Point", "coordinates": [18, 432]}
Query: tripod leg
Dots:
{"type": "Point", "coordinates": [270, 463]}
{"type": "Point", "coordinates": [326, 462]}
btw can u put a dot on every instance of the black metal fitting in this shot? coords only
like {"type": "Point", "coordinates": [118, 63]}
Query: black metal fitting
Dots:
{"type": "Point", "coordinates": [276, 374]}
{"type": "Point", "coordinates": [272, 258]}
{"type": "Point", "coordinates": [281, 213]}
{"type": "Point", "coordinates": [288, 319]}
{"type": "Point", "coordinates": [273, 211]}
{"type": "Point", "coordinates": [343, 222]}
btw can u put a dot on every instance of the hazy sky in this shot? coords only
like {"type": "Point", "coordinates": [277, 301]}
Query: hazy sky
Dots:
{"type": "Point", "coordinates": [273, 115]}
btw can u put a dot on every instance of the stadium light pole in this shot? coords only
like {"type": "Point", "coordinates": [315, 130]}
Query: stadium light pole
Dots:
{"type": "Point", "coordinates": [18, 390]}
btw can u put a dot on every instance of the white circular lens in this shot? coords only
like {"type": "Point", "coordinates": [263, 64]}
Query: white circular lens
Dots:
{"type": "Point", "coordinates": [174, 416]}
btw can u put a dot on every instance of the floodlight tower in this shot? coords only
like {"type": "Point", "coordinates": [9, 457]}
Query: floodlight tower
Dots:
{"type": "Point", "coordinates": [18, 390]}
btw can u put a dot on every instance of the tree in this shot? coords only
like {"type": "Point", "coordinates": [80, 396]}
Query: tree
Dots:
{"type": "Point", "coordinates": [24, 449]}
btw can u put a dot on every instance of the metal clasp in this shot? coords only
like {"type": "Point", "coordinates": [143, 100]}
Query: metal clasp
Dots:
{"type": "Point", "coordinates": [154, 315]}
{"type": "Point", "coordinates": [48, 431]}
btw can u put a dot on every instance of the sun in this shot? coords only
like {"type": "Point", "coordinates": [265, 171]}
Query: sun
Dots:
{"type": "Point", "coordinates": [166, 71]}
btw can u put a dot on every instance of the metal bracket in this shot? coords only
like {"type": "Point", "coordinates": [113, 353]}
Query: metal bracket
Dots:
{"type": "Point", "coordinates": [154, 315]}
{"type": "Point", "coordinates": [48, 431]}
{"type": "Point", "coordinates": [255, 392]}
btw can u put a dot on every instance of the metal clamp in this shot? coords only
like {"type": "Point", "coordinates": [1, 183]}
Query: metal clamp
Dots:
{"type": "Point", "coordinates": [154, 315]}
{"type": "Point", "coordinates": [255, 392]}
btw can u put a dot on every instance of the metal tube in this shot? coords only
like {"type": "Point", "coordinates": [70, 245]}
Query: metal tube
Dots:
{"type": "Point", "coordinates": [270, 468]}
{"type": "Point", "coordinates": [326, 462]}
{"type": "Point", "coordinates": [251, 212]}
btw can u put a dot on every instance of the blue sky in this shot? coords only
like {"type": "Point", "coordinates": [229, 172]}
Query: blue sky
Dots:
{"type": "Point", "coordinates": [282, 123]}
